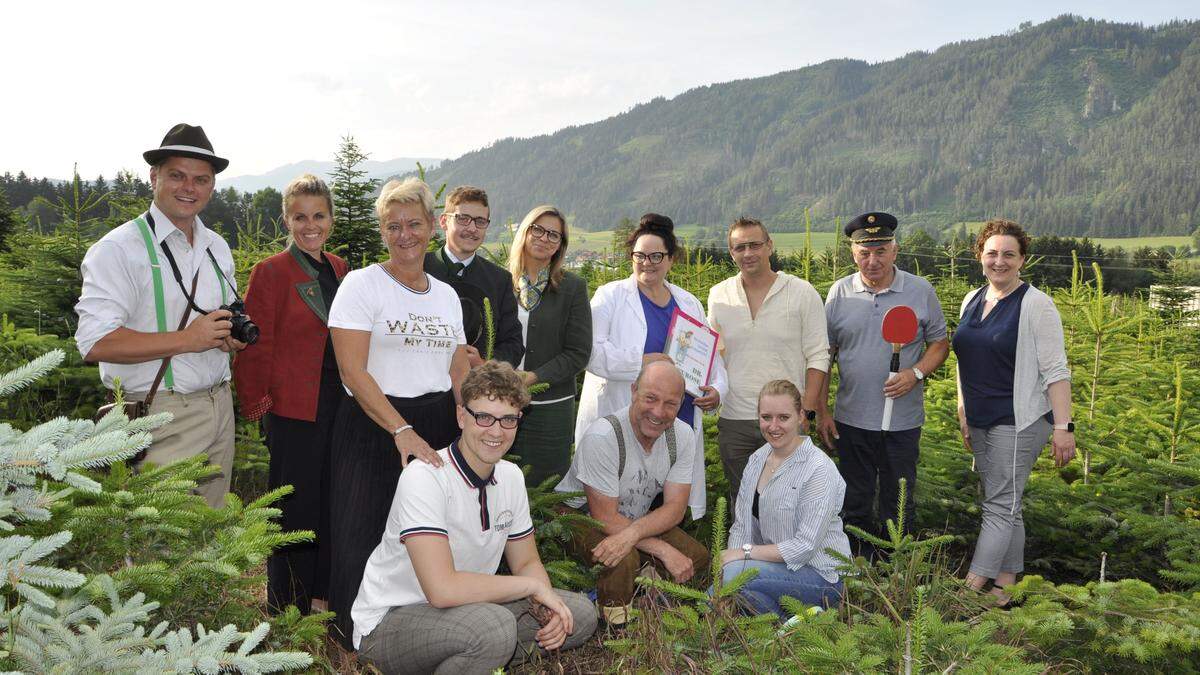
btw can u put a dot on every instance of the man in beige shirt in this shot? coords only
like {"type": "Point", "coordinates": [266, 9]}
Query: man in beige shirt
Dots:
{"type": "Point", "coordinates": [772, 326]}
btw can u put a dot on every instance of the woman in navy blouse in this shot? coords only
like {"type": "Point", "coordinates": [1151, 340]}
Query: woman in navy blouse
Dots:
{"type": "Point", "coordinates": [1013, 387]}
{"type": "Point", "coordinates": [787, 514]}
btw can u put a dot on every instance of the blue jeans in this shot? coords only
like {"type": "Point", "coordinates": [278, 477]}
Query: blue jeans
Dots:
{"type": "Point", "coordinates": [775, 580]}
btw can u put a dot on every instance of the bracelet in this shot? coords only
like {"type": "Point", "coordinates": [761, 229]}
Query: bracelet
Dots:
{"type": "Point", "coordinates": [400, 430]}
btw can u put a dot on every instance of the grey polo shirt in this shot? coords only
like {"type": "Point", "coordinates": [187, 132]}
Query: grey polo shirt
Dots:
{"type": "Point", "coordinates": [854, 315]}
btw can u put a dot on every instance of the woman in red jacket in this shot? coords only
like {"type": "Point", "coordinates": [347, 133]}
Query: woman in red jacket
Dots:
{"type": "Point", "coordinates": [290, 379]}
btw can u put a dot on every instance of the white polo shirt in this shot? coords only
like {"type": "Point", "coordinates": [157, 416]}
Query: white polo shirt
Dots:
{"type": "Point", "coordinates": [479, 516]}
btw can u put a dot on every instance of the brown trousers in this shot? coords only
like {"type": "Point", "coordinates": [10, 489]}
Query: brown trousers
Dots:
{"type": "Point", "coordinates": [615, 585]}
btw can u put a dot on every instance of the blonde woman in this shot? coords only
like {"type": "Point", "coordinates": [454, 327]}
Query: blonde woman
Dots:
{"type": "Point", "coordinates": [788, 512]}
{"type": "Point", "coordinates": [289, 379]}
{"type": "Point", "coordinates": [398, 335]}
{"type": "Point", "coordinates": [556, 328]}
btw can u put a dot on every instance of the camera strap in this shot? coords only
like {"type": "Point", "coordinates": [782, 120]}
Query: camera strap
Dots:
{"type": "Point", "coordinates": [190, 297]}
{"type": "Point", "coordinates": [160, 305]}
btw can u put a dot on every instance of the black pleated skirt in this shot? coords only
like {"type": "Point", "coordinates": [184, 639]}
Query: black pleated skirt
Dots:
{"type": "Point", "coordinates": [300, 457]}
{"type": "Point", "coordinates": [364, 469]}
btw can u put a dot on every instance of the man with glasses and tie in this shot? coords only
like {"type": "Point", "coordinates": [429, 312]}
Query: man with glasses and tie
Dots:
{"type": "Point", "coordinates": [465, 221]}
{"type": "Point", "coordinates": [772, 326]}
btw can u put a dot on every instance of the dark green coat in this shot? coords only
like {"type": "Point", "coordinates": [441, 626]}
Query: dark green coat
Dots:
{"type": "Point", "coordinates": [559, 340]}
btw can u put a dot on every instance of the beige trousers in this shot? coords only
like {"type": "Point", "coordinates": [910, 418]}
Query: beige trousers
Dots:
{"type": "Point", "coordinates": [203, 424]}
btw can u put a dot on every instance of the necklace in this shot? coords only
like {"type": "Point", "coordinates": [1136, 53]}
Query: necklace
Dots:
{"type": "Point", "coordinates": [384, 266]}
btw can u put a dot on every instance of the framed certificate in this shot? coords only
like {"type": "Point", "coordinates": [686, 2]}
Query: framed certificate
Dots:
{"type": "Point", "coordinates": [693, 348]}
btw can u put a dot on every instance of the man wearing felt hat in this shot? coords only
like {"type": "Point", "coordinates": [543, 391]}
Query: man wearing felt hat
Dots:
{"type": "Point", "coordinates": [148, 311]}
{"type": "Point", "coordinates": [854, 310]}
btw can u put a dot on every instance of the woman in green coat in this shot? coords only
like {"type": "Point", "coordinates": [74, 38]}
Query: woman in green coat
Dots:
{"type": "Point", "coordinates": [556, 323]}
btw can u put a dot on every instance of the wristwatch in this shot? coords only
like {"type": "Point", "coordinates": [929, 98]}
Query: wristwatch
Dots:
{"type": "Point", "coordinates": [918, 373]}
{"type": "Point", "coordinates": [746, 550]}
{"type": "Point", "coordinates": [1068, 427]}
{"type": "Point", "coordinates": [810, 415]}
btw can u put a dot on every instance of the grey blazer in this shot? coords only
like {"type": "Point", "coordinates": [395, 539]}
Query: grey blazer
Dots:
{"type": "Point", "coordinates": [558, 343]}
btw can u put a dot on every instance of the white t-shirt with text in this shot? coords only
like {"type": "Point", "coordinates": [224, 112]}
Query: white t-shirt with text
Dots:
{"type": "Point", "coordinates": [413, 334]}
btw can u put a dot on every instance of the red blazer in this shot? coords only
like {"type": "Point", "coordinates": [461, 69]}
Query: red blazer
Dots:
{"type": "Point", "coordinates": [281, 373]}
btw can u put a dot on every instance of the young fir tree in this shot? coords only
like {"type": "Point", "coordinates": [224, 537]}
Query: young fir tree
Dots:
{"type": "Point", "coordinates": [39, 274]}
{"type": "Point", "coordinates": [55, 619]}
{"type": "Point", "coordinates": [355, 230]}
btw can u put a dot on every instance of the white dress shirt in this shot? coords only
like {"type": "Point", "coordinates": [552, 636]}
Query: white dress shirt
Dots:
{"type": "Point", "coordinates": [786, 338]}
{"type": "Point", "coordinates": [466, 262]}
{"type": "Point", "coordinates": [118, 291]}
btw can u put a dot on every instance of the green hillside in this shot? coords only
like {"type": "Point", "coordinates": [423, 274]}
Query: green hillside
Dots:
{"type": "Point", "coordinates": [1074, 126]}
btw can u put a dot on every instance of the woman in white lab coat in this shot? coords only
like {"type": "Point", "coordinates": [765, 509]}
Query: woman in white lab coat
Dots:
{"type": "Point", "coordinates": [629, 328]}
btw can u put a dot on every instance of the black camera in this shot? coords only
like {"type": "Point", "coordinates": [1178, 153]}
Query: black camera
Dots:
{"type": "Point", "coordinates": [244, 330]}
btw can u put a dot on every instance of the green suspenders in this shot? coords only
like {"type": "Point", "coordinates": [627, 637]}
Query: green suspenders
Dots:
{"type": "Point", "coordinates": [160, 305]}
{"type": "Point", "coordinates": [616, 425]}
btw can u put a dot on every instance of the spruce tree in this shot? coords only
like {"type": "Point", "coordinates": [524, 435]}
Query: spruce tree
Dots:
{"type": "Point", "coordinates": [8, 220]}
{"type": "Point", "coordinates": [355, 230]}
{"type": "Point", "coordinates": [53, 617]}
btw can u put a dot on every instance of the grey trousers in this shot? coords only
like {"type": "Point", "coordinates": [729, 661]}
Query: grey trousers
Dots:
{"type": "Point", "coordinates": [736, 441]}
{"type": "Point", "coordinates": [1004, 459]}
{"type": "Point", "coordinates": [468, 639]}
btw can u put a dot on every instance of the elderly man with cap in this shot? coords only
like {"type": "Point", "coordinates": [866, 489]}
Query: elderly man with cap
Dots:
{"type": "Point", "coordinates": [854, 311]}
{"type": "Point", "coordinates": [149, 310]}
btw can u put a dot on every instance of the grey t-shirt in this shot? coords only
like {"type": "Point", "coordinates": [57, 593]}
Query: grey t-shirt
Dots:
{"type": "Point", "coordinates": [854, 316]}
{"type": "Point", "coordinates": [597, 459]}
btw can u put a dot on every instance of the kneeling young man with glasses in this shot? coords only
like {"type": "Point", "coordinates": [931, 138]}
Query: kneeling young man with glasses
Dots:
{"type": "Point", "coordinates": [430, 598]}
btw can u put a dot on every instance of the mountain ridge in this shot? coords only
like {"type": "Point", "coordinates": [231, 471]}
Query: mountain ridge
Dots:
{"type": "Point", "coordinates": [1075, 126]}
{"type": "Point", "coordinates": [280, 176]}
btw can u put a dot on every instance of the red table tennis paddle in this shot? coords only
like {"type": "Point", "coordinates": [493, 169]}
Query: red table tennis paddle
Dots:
{"type": "Point", "coordinates": [899, 329]}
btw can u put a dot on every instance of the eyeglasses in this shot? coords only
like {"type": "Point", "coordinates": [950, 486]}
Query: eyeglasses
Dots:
{"type": "Point", "coordinates": [487, 419]}
{"type": "Point", "coordinates": [539, 232]}
{"type": "Point", "coordinates": [747, 246]}
{"type": "Point", "coordinates": [462, 220]}
{"type": "Point", "coordinates": [654, 258]}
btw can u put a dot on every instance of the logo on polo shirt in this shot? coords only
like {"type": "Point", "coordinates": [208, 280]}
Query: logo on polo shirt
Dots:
{"type": "Point", "coordinates": [503, 521]}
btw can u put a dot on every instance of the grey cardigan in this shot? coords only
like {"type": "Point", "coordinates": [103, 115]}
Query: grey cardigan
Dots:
{"type": "Point", "coordinates": [1041, 355]}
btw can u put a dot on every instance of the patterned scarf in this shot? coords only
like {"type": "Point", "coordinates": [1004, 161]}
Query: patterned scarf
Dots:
{"type": "Point", "coordinates": [530, 292]}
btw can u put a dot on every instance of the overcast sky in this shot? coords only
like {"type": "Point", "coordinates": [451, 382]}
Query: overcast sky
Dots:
{"type": "Point", "coordinates": [277, 82]}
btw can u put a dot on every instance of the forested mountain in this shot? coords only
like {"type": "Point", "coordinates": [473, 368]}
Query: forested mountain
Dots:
{"type": "Point", "coordinates": [1074, 126]}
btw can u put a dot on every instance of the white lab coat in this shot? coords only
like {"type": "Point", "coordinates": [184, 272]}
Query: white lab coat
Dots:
{"type": "Point", "coordinates": [618, 337]}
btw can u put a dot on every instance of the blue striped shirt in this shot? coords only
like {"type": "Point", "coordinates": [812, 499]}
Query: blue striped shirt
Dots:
{"type": "Point", "coordinates": [799, 510]}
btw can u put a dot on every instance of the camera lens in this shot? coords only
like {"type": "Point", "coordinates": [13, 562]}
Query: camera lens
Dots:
{"type": "Point", "coordinates": [245, 330]}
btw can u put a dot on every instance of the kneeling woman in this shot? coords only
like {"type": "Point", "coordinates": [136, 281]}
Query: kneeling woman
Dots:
{"type": "Point", "coordinates": [430, 598]}
{"type": "Point", "coordinates": [787, 512]}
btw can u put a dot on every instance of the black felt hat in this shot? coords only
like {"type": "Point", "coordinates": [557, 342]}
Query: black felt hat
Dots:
{"type": "Point", "coordinates": [876, 227]}
{"type": "Point", "coordinates": [185, 140]}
